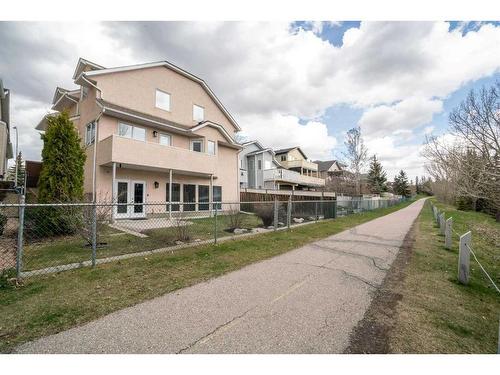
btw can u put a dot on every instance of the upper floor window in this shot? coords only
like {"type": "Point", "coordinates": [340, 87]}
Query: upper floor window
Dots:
{"type": "Point", "coordinates": [259, 164]}
{"type": "Point", "coordinates": [131, 131]}
{"type": "Point", "coordinates": [198, 113]}
{"type": "Point", "coordinates": [162, 100]}
{"type": "Point", "coordinates": [165, 139]}
{"type": "Point", "coordinates": [267, 164]}
{"type": "Point", "coordinates": [90, 133]}
{"type": "Point", "coordinates": [283, 157]}
{"type": "Point", "coordinates": [241, 163]}
{"type": "Point", "coordinates": [197, 145]}
{"type": "Point", "coordinates": [211, 147]}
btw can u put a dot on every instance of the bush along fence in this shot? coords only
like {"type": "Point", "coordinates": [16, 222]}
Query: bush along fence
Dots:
{"type": "Point", "coordinates": [37, 239]}
{"type": "Point", "coordinates": [465, 250]}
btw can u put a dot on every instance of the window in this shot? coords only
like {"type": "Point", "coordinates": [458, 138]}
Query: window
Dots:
{"type": "Point", "coordinates": [211, 147]}
{"type": "Point", "coordinates": [217, 196]}
{"type": "Point", "coordinates": [176, 195]}
{"type": "Point", "coordinates": [189, 196]}
{"type": "Point", "coordinates": [241, 163]}
{"type": "Point", "coordinates": [130, 131]}
{"type": "Point", "coordinates": [203, 197]}
{"type": "Point", "coordinates": [267, 164]}
{"type": "Point", "coordinates": [283, 157]}
{"type": "Point", "coordinates": [259, 164]}
{"type": "Point", "coordinates": [165, 139]}
{"type": "Point", "coordinates": [90, 133]}
{"type": "Point", "coordinates": [198, 113]}
{"type": "Point", "coordinates": [162, 100]}
{"type": "Point", "coordinates": [197, 146]}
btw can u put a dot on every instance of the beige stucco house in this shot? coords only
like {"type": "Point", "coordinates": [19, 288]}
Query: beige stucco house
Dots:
{"type": "Point", "coordinates": [152, 133]}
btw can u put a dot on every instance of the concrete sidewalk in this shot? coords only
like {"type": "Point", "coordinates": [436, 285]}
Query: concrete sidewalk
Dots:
{"type": "Point", "coordinates": [305, 301]}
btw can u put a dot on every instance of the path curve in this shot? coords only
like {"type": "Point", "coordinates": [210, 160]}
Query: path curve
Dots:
{"type": "Point", "coordinates": [304, 301]}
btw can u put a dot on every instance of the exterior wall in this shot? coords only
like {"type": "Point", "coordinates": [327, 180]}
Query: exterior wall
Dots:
{"type": "Point", "coordinates": [3, 148]}
{"type": "Point", "coordinates": [136, 89]}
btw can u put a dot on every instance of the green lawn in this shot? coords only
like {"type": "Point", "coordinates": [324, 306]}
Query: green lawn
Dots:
{"type": "Point", "coordinates": [73, 249]}
{"type": "Point", "coordinates": [48, 304]}
{"type": "Point", "coordinates": [436, 313]}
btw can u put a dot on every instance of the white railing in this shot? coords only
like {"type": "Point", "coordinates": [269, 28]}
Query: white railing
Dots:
{"type": "Point", "coordinates": [293, 177]}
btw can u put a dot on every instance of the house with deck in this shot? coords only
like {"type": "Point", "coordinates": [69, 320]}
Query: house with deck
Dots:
{"type": "Point", "coordinates": [297, 172]}
{"type": "Point", "coordinates": [152, 133]}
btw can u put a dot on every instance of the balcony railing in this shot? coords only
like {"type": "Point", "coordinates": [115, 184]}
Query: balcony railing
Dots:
{"type": "Point", "coordinates": [292, 177]}
{"type": "Point", "coordinates": [299, 164]}
{"type": "Point", "coordinates": [117, 149]}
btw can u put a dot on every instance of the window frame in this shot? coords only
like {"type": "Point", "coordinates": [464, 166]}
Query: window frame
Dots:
{"type": "Point", "coordinates": [193, 141]}
{"type": "Point", "coordinates": [165, 134]}
{"type": "Point", "coordinates": [132, 134]}
{"type": "Point", "coordinates": [259, 164]}
{"type": "Point", "coordinates": [208, 147]}
{"type": "Point", "coordinates": [169, 100]}
{"type": "Point", "coordinates": [283, 158]}
{"type": "Point", "coordinates": [93, 126]}
{"type": "Point", "coordinates": [203, 112]}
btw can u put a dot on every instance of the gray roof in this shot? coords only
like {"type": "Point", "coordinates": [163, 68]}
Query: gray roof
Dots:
{"type": "Point", "coordinates": [327, 164]}
{"type": "Point", "coordinates": [285, 150]}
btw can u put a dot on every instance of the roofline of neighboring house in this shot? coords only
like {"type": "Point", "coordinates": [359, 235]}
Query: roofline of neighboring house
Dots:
{"type": "Point", "coordinates": [287, 150]}
{"type": "Point", "coordinates": [82, 63]}
{"type": "Point", "coordinates": [167, 65]}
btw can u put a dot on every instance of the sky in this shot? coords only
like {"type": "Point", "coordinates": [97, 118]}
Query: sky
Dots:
{"type": "Point", "coordinates": [287, 84]}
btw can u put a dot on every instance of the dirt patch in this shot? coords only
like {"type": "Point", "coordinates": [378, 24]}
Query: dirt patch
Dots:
{"type": "Point", "coordinates": [371, 335]}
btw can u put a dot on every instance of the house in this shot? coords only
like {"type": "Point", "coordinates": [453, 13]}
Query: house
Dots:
{"type": "Point", "coordinates": [331, 168]}
{"type": "Point", "coordinates": [5, 144]}
{"type": "Point", "coordinates": [152, 133]}
{"type": "Point", "coordinates": [256, 165]}
{"type": "Point", "coordinates": [296, 172]}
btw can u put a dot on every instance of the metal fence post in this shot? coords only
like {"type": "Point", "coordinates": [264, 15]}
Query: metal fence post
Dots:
{"type": "Point", "coordinates": [334, 209]}
{"type": "Point", "coordinates": [20, 238]}
{"type": "Point", "coordinates": [215, 224]}
{"type": "Point", "coordinates": [275, 213]}
{"type": "Point", "coordinates": [464, 258]}
{"type": "Point", "coordinates": [289, 212]}
{"type": "Point", "coordinates": [447, 233]}
{"type": "Point", "coordinates": [94, 233]}
{"type": "Point", "coordinates": [315, 211]}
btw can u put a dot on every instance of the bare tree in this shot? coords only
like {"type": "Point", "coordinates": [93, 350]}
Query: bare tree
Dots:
{"type": "Point", "coordinates": [356, 154]}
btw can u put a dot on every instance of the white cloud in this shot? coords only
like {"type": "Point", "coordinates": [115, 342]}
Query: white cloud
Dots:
{"type": "Point", "coordinates": [399, 118]}
{"type": "Point", "coordinates": [278, 131]}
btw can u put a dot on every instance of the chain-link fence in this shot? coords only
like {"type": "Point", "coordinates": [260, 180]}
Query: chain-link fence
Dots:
{"type": "Point", "coordinates": [45, 238]}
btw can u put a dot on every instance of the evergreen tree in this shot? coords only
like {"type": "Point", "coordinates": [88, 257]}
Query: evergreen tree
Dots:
{"type": "Point", "coordinates": [401, 185]}
{"type": "Point", "coordinates": [61, 177]}
{"type": "Point", "coordinates": [377, 178]}
{"type": "Point", "coordinates": [21, 171]}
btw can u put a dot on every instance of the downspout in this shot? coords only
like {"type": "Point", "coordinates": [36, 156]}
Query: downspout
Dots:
{"type": "Point", "coordinates": [96, 139]}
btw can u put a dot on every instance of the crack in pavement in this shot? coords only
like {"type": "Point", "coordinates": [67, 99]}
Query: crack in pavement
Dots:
{"type": "Point", "coordinates": [332, 250]}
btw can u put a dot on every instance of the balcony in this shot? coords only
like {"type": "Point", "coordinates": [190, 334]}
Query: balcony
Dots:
{"type": "Point", "coordinates": [299, 164]}
{"type": "Point", "coordinates": [149, 155]}
{"type": "Point", "coordinates": [292, 177]}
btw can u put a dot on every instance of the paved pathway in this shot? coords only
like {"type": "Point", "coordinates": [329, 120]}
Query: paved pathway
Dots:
{"type": "Point", "coordinates": [305, 301]}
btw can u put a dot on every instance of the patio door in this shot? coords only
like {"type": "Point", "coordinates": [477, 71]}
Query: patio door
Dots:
{"type": "Point", "coordinates": [128, 192]}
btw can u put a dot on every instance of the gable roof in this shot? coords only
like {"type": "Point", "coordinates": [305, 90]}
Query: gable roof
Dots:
{"type": "Point", "coordinates": [287, 150]}
{"type": "Point", "coordinates": [82, 64]}
{"type": "Point", "coordinates": [98, 70]}
{"type": "Point", "coordinates": [326, 165]}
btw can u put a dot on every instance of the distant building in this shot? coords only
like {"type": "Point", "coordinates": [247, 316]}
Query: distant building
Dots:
{"type": "Point", "coordinates": [5, 144]}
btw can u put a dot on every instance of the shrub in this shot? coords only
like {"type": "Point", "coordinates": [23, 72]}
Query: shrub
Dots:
{"type": "Point", "coordinates": [182, 229]}
{"type": "Point", "coordinates": [266, 213]}
{"type": "Point", "coordinates": [234, 217]}
{"type": "Point", "coordinates": [7, 278]}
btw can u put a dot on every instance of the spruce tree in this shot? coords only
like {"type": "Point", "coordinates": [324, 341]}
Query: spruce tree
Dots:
{"type": "Point", "coordinates": [61, 177]}
{"type": "Point", "coordinates": [401, 185]}
{"type": "Point", "coordinates": [21, 171]}
{"type": "Point", "coordinates": [377, 178]}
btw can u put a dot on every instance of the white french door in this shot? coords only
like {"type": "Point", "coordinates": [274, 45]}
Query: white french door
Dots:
{"type": "Point", "coordinates": [126, 193]}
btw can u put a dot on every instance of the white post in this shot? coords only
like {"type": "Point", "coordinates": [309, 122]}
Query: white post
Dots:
{"type": "Point", "coordinates": [441, 223]}
{"type": "Point", "coordinates": [464, 258]}
{"type": "Point", "coordinates": [114, 199]}
{"type": "Point", "coordinates": [170, 194]}
{"type": "Point", "coordinates": [447, 233]}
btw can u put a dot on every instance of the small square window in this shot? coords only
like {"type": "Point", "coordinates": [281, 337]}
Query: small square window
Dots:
{"type": "Point", "coordinates": [198, 113]}
{"type": "Point", "coordinates": [162, 100]}
{"type": "Point", "coordinates": [197, 146]}
{"type": "Point", "coordinates": [166, 139]}
{"type": "Point", "coordinates": [211, 147]}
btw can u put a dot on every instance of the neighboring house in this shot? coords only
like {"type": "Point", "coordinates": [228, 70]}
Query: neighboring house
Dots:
{"type": "Point", "coordinates": [5, 144]}
{"type": "Point", "coordinates": [298, 172]}
{"type": "Point", "coordinates": [256, 164]}
{"type": "Point", "coordinates": [331, 168]}
{"type": "Point", "coordinates": [162, 136]}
